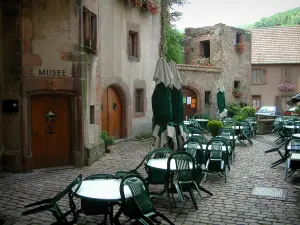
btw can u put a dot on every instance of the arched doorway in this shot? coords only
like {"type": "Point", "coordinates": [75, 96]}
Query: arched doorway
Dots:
{"type": "Point", "coordinates": [50, 130]}
{"type": "Point", "coordinates": [190, 102]}
{"type": "Point", "coordinates": [111, 112]}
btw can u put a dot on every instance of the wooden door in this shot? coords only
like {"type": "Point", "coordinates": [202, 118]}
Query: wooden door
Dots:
{"type": "Point", "coordinates": [112, 113]}
{"type": "Point", "coordinates": [50, 131]}
{"type": "Point", "coordinates": [190, 106]}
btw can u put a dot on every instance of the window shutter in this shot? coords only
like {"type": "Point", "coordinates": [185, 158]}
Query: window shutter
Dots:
{"type": "Point", "coordinates": [289, 75]}
{"type": "Point", "coordinates": [282, 75]}
{"type": "Point", "coordinates": [264, 76]}
{"type": "Point", "coordinates": [277, 101]}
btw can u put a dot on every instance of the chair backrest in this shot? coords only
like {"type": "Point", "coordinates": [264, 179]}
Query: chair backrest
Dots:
{"type": "Point", "coordinates": [294, 144]}
{"type": "Point", "coordinates": [69, 189]}
{"type": "Point", "coordinates": [159, 153]}
{"type": "Point", "coordinates": [246, 127]}
{"type": "Point", "coordinates": [225, 131]}
{"type": "Point", "coordinates": [185, 165]}
{"type": "Point", "coordinates": [197, 138]}
{"type": "Point", "coordinates": [139, 193]}
{"type": "Point", "coordinates": [192, 147]}
{"type": "Point", "coordinates": [101, 177]}
{"type": "Point", "coordinates": [230, 124]}
{"type": "Point", "coordinates": [215, 148]}
{"type": "Point", "coordinates": [194, 130]}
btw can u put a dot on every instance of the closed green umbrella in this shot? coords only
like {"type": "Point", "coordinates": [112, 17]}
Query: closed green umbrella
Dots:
{"type": "Point", "coordinates": [221, 101]}
{"type": "Point", "coordinates": [177, 104]}
{"type": "Point", "coordinates": [162, 105]}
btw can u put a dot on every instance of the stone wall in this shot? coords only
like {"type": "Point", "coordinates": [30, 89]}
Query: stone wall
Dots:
{"type": "Point", "coordinates": [227, 64]}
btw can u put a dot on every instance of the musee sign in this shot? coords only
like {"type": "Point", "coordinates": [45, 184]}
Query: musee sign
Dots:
{"type": "Point", "coordinates": [52, 73]}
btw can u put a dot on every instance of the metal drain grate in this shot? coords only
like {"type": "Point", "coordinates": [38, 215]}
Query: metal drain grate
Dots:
{"type": "Point", "coordinates": [269, 192]}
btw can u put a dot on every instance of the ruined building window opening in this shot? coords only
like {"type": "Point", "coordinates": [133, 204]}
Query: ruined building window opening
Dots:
{"type": "Point", "coordinates": [207, 97]}
{"type": "Point", "coordinates": [133, 44]}
{"type": "Point", "coordinates": [139, 100]}
{"type": "Point", "coordinates": [205, 49]}
{"type": "Point", "coordinates": [256, 76]}
{"type": "Point", "coordinates": [90, 29]}
{"type": "Point", "coordinates": [92, 114]}
{"type": "Point", "coordinates": [239, 38]}
{"type": "Point", "coordinates": [236, 84]}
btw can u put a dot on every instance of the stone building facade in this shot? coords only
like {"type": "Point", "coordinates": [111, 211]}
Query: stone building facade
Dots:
{"type": "Point", "coordinates": [69, 69]}
{"type": "Point", "coordinates": [223, 65]}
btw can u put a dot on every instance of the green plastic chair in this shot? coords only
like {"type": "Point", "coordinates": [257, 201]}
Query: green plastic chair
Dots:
{"type": "Point", "coordinates": [52, 206]}
{"type": "Point", "coordinates": [217, 159]}
{"type": "Point", "coordinates": [182, 179]}
{"type": "Point", "coordinates": [246, 132]}
{"type": "Point", "coordinates": [198, 138]}
{"type": "Point", "coordinates": [157, 176]}
{"type": "Point", "coordinates": [139, 207]}
{"type": "Point", "coordinates": [93, 207]}
{"type": "Point", "coordinates": [226, 133]}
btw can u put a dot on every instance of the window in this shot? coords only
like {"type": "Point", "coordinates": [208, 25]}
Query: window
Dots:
{"type": "Point", "coordinates": [205, 49]}
{"type": "Point", "coordinates": [92, 114]}
{"type": "Point", "coordinates": [236, 84]}
{"type": "Point", "coordinates": [139, 100]}
{"type": "Point", "coordinates": [90, 29]}
{"type": "Point", "coordinates": [133, 44]}
{"type": "Point", "coordinates": [239, 38]}
{"type": "Point", "coordinates": [283, 105]}
{"type": "Point", "coordinates": [256, 101]}
{"type": "Point", "coordinates": [256, 76]}
{"type": "Point", "coordinates": [207, 97]}
{"type": "Point", "coordinates": [286, 75]}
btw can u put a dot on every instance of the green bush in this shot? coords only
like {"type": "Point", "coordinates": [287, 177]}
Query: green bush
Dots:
{"type": "Point", "coordinates": [233, 109]}
{"type": "Point", "coordinates": [245, 113]}
{"type": "Point", "coordinates": [214, 126]}
{"type": "Point", "coordinates": [108, 140]}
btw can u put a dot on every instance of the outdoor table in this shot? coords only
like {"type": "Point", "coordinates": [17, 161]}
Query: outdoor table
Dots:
{"type": "Point", "coordinates": [163, 164]}
{"type": "Point", "coordinates": [230, 137]}
{"type": "Point", "coordinates": [102, 190]}
{"type": "Point", "coordinates": [295, 156]}
{"type": "Point", "coordinates": [296, 135]}
{"type": "Point", "coordinates": [201, 120]}
{"type": "Point", "coordinates": [290, 127]}
{"type": "Point", "coordinates": [186, 122]}
{"type": "Point", "coordinates": [209, 147]}
{"type": "Point", "coordinates": [237, 127]}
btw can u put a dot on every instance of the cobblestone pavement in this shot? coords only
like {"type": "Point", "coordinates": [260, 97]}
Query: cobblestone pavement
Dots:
{"type": "Point", "coordinates": [232, 203]}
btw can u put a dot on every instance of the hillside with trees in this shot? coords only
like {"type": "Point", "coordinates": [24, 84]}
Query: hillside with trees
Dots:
{"type": "Point", "coordinates": [288, 18]}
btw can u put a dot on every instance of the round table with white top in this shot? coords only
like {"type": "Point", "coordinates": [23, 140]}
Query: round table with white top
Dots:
{"type": "Point", "coordinates": [105, 190]}
{"type": "Point", "coordinates": [296, 135]}
{"type": "Point", "coordinates": [102, 189]}
{"type": "Point", "coordinates": [163, 164]}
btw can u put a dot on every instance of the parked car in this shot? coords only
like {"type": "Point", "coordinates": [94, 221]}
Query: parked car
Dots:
{"type": "Point", "coordinates": [291, 112]}
{"type": "Point", "coordinates": [269, 111]}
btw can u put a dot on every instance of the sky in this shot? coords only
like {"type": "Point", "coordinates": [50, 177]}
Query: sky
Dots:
{"type": "Point", "coordinates": [200, 13]}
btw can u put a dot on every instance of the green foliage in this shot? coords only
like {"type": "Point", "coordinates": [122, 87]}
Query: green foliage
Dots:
{"type": "Point", "coordinates": [287, 18]}
{"type": "Point", "coordinates": [233, 109]}
{"type": "Point", "coordinates": [108, 140]}
{"type": "Point", "coordinates": [143, 136]}
{"type": "Point", "coordinates": [214, 126]}
{"type": "Point", "coordinates": [297, 110]}
{"type": "Point", "coordinates": [245, 112]}
{"type": "Point", "coordinates": [174, 45]}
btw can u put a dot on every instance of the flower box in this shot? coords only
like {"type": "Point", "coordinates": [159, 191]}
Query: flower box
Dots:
{"type": "Point", "coordinates": [236, 92]}
{"type": "Point", "coordinates": [240, 47]}
{"type": "Point", "coordinates": [146, 5]}
{"type": "Point", "coordinates": [286, 86]}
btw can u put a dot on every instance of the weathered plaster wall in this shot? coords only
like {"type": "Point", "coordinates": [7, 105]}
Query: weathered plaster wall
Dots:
{"type": "Point", "coordinates": [115, 65]}
{"type": "Point", "coordinates": [269, 90]}
{"type": "Point", "coordinates": [232, 65]}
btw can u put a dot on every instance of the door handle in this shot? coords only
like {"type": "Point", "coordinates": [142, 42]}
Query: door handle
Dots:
{"type": "Point", "coordinates": [34, 133]}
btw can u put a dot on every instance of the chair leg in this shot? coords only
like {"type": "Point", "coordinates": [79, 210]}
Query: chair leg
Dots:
{"type": "Point", "coordinates": [190, 190]}
{"type": "Point", "coordinates": [146, 221]}
{"type": "Point", "coordinates": [197, 189]}
{"type": "Point", "coordinates": [292, 172]}
{"type": "Point", "coordinates": [116, 217]}
{"type": "Point", "coordinates": [164, 218]}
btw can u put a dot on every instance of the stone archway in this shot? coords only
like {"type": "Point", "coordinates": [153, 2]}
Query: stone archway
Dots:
{"type": "Point", "coordinates": [122, 90]}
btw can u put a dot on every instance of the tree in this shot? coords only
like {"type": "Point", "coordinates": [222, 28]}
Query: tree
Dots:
{"type": "Point", "coordinates": [174, 45]}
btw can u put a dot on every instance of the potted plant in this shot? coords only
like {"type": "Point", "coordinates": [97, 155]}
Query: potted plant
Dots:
{"type": "Point", "coordinates": [237, 92]}
{"type": "Point", "coordinates": [108, 140]}
{"type": "Point", "coordinates": [286, 86]}
{"type": "Point", "coordinates": [214, 127]}
{"type": "Point", "coordinates": [240, 47]}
